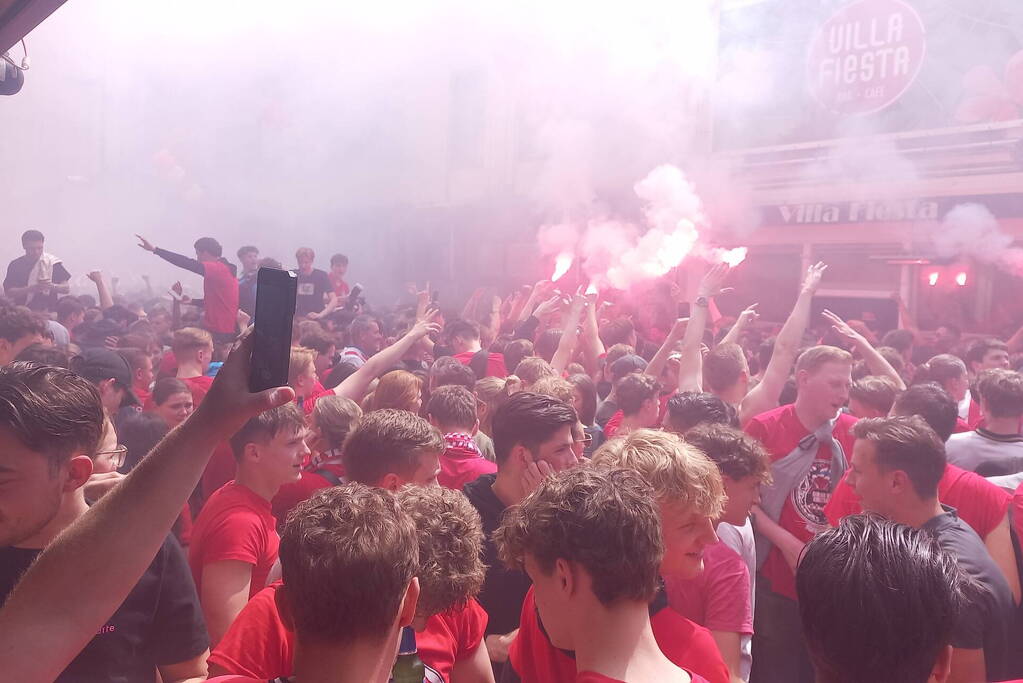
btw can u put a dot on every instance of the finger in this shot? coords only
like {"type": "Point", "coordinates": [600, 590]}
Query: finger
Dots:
{"type": "Point", "coordinates": [726, 290]}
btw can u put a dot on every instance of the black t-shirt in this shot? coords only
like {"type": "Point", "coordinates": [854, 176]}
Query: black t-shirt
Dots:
{"type": "Point", "coordinates": [985, 623]}
{"type": "Point", "coordinates": [18, 271]}
{"type": "Point", "coordinates": [311, 289]}
{"type": "Point", "coordinates": [504, 589]}
{"type": "Point", "coordinates": [160, 622]}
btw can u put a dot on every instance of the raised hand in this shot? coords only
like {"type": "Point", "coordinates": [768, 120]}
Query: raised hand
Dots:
{"type": "Point", "coordinates": [748, 315]}
{"type": "Point", "coordinates": [841, 327]}
{"type": "Point", "coordinates": [548, 307]}
{"type": "Point", "coordinates": [812, 280]}
{"type": "Point", "coordinates": [95, 275]}
{"type": "Point", "coordinates": [144, 243]}
{"type": "Point", "coordinates": [711, 284]}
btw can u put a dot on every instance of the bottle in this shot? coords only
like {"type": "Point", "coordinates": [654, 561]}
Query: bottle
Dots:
{"type": "Point", "coordinates": [408, 668]}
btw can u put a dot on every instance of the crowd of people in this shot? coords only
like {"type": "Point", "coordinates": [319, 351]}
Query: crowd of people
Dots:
{"type": "Point", "coordinates": [549, 486]}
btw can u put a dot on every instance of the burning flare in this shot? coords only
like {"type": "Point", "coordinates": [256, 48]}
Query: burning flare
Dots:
{"type": "Point", "coordinates": [734, 257]}
{"type": "Point", "coordinates": [561, 265]}
{"type": "Point", "coordinates": [592, 289]}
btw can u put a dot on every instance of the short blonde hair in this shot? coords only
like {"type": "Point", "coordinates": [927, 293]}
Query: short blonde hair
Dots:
{"type": "Point", "coordinates": [677, 472]}
{"type": "Point", "coordinates": [301, 360]}
{"type": "Point", "coordinates": [190, 339]}
{"type": "Point", "coordinates": [816, 357]}
{"type": "Point", "coordinates": [305, 251]}
{"type": "Point", "coordinates": [555, 387]}
{"type": "Point", "coordinates": [532, 369]}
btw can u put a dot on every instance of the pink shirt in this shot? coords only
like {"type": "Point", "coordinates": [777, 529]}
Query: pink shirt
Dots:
{"type": "Point", "coordinates": [718, 598]}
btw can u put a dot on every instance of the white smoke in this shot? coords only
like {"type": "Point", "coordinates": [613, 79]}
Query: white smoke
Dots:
{"type": "Point", "coordinates": [972, 231]}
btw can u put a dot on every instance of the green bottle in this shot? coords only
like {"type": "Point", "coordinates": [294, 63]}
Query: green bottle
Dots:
{"type": "Point", "coordinates": [408, 668]}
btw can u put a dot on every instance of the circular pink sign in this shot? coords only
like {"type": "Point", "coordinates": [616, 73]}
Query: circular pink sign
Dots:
{"type": "Point", "coordinates": [866, 56]}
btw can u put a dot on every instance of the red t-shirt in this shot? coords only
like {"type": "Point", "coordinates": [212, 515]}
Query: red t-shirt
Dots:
{"type": "Point", "coordinates": [719, 597]}
{"type": "Point", "coordinates": [341, 287]}
{"type": "Point", "coordinates": [221, 469]}
{"type": "Point", "coordinates": [257, 643]}
{"type": "Point", "coordinates": [495, 363]}
{"type": "Point", "coordinates": [220, 297]}
{"type": "Point", "coordinates": [293, 493]}
{"type": "Point", "coordinates": [235, 524]}
{"type": "Point", "coordinates": [686, 644]}
{"type": "Point", "coordinates": [593, 677]}
{"type": "Point", "coordinates": [462, 462]}
{"type": "Point", "coordinates": [612, 426]}
{"type": "Point", "coordinates": [977, 501]}
{"type": "Point", "coordinates": [199, 386]}
{"type": "Point", "coordinates": [309, 402]}
{"type": "Point", "coordinates": [1017, 510]}
{"type": "Point", "coordinates": [802, 515]}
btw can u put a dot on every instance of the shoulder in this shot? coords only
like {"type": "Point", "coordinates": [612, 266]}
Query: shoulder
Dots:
{"type": "Point", "coordinates": [771, 417]}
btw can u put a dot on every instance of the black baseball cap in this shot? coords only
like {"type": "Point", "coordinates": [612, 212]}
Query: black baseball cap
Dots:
{"type": "Point", "coordinates": [100, 364]}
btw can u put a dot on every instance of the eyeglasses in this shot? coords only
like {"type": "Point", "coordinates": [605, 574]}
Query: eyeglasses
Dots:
{"type": "Point", "coordinates": [586, 439]}
{"type": "Point", "coordinates": [116, 456]}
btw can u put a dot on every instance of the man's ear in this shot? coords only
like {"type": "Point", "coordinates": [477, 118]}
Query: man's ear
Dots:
{"type": "Point", "coordinates": [564, 572]}
{"type": "Point", "coordinates": [900, 482]}
{"type": "Point", "coordinates": [521, 455]}
{"type": "Point", "coordinates": [475, 428]}
{"type": "Point", "coordinates": [283, 602]}
{"type": "Point", "coordinates": [79, 470]}
{"type": "Point", "coordinates": [432, 420]}
{"type": "Point", "coordinates": [407, 611]}
{"type": "Point", "coordinates": [251, 452]}
{"type": "Point", "coordinates": [391, 481]}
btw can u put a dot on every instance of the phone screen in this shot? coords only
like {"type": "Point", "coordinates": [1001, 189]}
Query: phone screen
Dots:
{"type": "Point", "coordinates": [275, 314]}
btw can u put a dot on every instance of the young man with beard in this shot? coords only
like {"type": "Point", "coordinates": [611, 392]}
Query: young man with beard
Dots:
{"type": "Point", "coordinates": [809, 442]}
{"type": "Point", "coordinates": [234, 540]}
{"type": "Point", "coordinates": [53, 437]}
{"type": "Point", "coordinates": [688, 494]}
{"type": "Point", "coordinates": [897, 463]}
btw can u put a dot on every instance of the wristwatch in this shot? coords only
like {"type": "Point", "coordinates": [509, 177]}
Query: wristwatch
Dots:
{"type": "Point", "coordinates": [702, 302]}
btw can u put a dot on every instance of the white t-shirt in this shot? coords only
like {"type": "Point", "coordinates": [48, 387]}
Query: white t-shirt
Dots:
{"type": "Point", "coordinates": [741, 540]}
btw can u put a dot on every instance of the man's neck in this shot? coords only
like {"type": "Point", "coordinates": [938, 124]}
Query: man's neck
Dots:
{"type": "Point", "coordinates": [455, 430]}
{"type": "Point", "coordinates": [508, 488]}
{"type": "Point", "coordinates": [918, 512]}
{"type": "Point", "coordinates": [72, 507]}
{"type": "Point", "coordinates": [358, 662]}
{"type": "Point", "coordinates": [810, 416]}
{"type": "Point", "coordinates": [471, 347]}
{"type": "Point", "coordinates": [306, 271]}
{"type": "Point", "coordinates": [630, 423]}
{"type": "Point", "coordinates": [190, 368]}
{"type": "Point", "coordinates": [733, 395]}
{"type": "Point", "coordinates": [255, 482]}
{"type": "Point", "coordinates": [1003, 426]}
{"type": "Point", "coordinates": [618, 642]}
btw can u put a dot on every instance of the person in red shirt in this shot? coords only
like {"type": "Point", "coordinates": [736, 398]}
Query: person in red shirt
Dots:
{"type": "Point", "coordinates": [141, 365]}
{"type": "Point", "coordinates": [867, 584]}
{"type": "Point", "coordinates": [220, 286]}
{"type": "Point", "coordinates": [234, 541]}
{"type": "Point", "coordinates": [689, 493]}
{"type": "Point", "coordinates": [463, 337]}
{"type": "Point", "coordinates": [193, 350]}
{"type": "Point", "coordinates": [810, 443]}
{"type": "Point", "coordinates": [590, 538]}
{"type": "Point", "coordinates": [721, 596]}
{"type": "Point", "coordinates": [331, 546]}
{"type": "Point", "coordinates": [332, 419]}
{"type": "Point", "coordinates": [452, 410]}
{"type": "Point", "coordinates": [638, 397]}
{"type": "Point", "coordinates": [449, 622]}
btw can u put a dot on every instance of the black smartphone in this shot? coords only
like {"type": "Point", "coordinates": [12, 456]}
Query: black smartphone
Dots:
{"type": "Point", "coordinates": [275, 314]}
{"type": "Point", "coordinates": [353, 296]}
{"type": "Point", "coordinates": [435, 297]}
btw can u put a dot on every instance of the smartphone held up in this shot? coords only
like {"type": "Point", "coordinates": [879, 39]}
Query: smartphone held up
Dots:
{"type": "Point", "coordinates": [275, 312]}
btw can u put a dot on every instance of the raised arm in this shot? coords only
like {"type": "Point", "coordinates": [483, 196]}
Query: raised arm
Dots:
{"type": "Point", "coordinates": [874, 360]}
{"type": "Point", "coordinates": [660, 359]}
{"type": "Point", "coordinates": [570, 334]}
{"type": "Point", "coordinates": [749, 315]}
{"type": "Point", "coordinates": [590, 345]}
{"type": "Point", "coordinates": [691, 363]}
{"type": "Point", "coordinates": [354, 386]}
{"type": "Point", "coordinates": [765, 395]}
{"type": "Point", "coordinates": [105, 300]}
{"type": "Point", "coordinates": [48, 618]}
{"type": "Point", "coordinates": [171, 257]}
